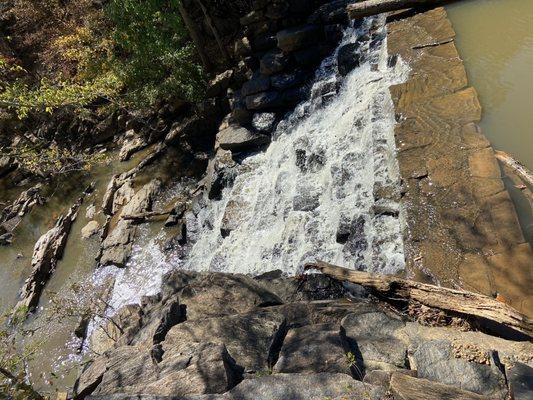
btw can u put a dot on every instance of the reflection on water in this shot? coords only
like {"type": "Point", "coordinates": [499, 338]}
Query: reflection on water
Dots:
{"type": "Point", "coordinates": [495, 39]}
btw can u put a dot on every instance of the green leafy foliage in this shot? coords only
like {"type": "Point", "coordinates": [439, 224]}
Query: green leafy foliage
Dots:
{"type": "Point", "coordinates": [132, 53]}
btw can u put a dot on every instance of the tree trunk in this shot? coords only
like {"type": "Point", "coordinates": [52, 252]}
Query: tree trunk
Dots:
{"type": "Point", "coordinates": [195, 36]}
{"type": "Point", "coordinates": [456, 301]}
{"type": "Point", "coordinates": [372, 7]}
{"type": "Point", "coordinates": [209, 21]}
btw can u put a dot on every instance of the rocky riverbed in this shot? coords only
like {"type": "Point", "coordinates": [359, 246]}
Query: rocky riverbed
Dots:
{"type": "Point", "coordinates": [227, 336]}
{"type": "Point", "coordinates": [350, 141]}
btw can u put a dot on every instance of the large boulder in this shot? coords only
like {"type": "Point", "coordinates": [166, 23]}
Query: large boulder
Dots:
{"type": "Point", "coordinates": [296, 38]}
{"type": "Point", "coordinates": [370, 337]}
{"type": "Point", "coordinates": [238, 138]}
{"type": "Point", "coordinates": [313, 348]}
{"type": "Point", "coordinates": [258, 83]}
{"type": "Point", "coordinates": [273, 62]}
{"type": "Point", "coordinates": [251, 338]}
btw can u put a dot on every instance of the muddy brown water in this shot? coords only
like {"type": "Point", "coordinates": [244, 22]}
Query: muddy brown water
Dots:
{"type": "Point", "coordinates": [495, 40]}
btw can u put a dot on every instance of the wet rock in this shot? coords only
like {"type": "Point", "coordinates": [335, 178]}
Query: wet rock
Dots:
{"type": "Point", "coordinates": [435, 360]}
{"type": "Point", "coordinates": [264, 122]}
{"type": "Point", "coordinates": [263, 100]}
{"type": "Point", "coordinates": [90, 229]}
{"type": "Point", "coordinates": [12, 214]}
{"type": "Point", "coordinates": [236, 138]}
{"type": "Point", "coordinates": [348, 58]}
{"type": "Point", "coordinates": [287, 80]}
{"type": "Point", "coordinates": [259, 83]}
{"type": "Point", "coordinates": [272, 62]}
{"type": "Point", "coordinates": [250, 338]}
{"type": "Point", "coordinates": [219, 84]}
{"type": "Point", "coordinates": [312, 348]}
{"type": "Point", "coordinates": [371, 339]}
{"type": "Point", "coordinates": [311, 55]}
{"type": "Point", "coordinates": [264, 42]}
{"type": "Point", "coordinates": [46, 253]}
{"type": "Point", "coordinates": [116, 247]}
{"type": "Point", "coordinates": [221, 172]}
{"type": "Point", "coordinates": [296, 38]}
{"type": "Point", "coordinates": [405, 387]}
{"type": "Point", "coordinates": [310, 287]}
{"type": "Point", "coordinates": [295, 95]}
{"type": "Point", "coordinates": [306, 201]}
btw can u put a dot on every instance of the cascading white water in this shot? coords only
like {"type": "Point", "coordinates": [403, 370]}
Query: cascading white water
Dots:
{"type": "Point", "coordinates": [309, 196]}
{"type": "Point", "coordinates": [319, 173]}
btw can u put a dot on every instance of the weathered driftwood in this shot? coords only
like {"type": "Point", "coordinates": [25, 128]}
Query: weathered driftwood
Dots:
{"type": "Point", "coordinates": [525, 174]}
{"type": "Point", "coordinates": [143, 216]}
{"type": "Point", "coordinates": [451, 300]}
{"type": "Point", "coordinates": [373, 7]}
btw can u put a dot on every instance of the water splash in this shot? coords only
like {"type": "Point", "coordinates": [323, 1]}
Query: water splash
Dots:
{"type": "Point", "coordinates": [310, 195]}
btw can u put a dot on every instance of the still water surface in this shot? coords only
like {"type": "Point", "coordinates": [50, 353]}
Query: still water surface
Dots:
{"type": "Point", "coordinates": [495, 40]}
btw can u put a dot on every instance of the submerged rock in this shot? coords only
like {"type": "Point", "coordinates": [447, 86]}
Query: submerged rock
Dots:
{"type": "Point", "coordinates": [348, 58]}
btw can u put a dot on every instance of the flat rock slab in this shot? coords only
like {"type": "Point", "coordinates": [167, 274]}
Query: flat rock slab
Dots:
{"type": "Point", "coordinates": [457, 209]}
{"type": "Point", "coordinates": [239, 138]}
{"type": "Point", "coordinates": [372, 341]}
{"type": "Point", "coordinates": [313, 348]}
{"type": "Point", "coordinates": [251, 338]}
{"type": "Point", "coordinates": [405, 387]}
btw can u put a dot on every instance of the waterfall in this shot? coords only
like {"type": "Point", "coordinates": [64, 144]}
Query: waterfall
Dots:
{"type": "Point", "coordinates": [310, 196]}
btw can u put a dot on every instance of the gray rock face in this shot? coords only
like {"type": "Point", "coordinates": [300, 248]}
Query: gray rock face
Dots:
{"type": "Point", "coordinates": [405, 387]}
{"type": "Point", "coordinates": [257, 84]}
{"type": "Point", "coordinates": [313, 348]}
{"type": "Point", "coordinates": [273, 62]}
{"type": "Point", "coordinates": [264, 100]}
{"type": "Point", "coordinates": [435, 361]}
{"type": "Point", "coordinates": [116, 247]}
{"type": "Point", "coordinates": [296, 38]}
{"type": "Point", "coordinates": [264, 122]}
{"type": "Point", "coordinates": [370, 338]}
{"type": "Point", "coordinates": [303, 387]}
{"type": "Point", "coordinates": [287, 80]}
{"type": "Point", "coordinates": [238, 139]}
{"type": "Point", "coordinates": [348, 58]}
{"type": "Point", "coordinates": [520, 378]}
{"type": "Point", "coordinates": [199, 368]}
{"type": "Point", "coordinates": [250, 338]}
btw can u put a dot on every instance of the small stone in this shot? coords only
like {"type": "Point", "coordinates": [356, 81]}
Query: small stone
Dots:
{"type": "Point", "coordinates": [242, 47]}
{"type": "Point", "coordinates": [90, 212]}
{"type": "Point", "coordinates": [90, 229]}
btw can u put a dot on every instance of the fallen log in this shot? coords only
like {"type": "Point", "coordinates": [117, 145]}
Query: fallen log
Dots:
{"type": "Point", "coordinates": [461, 302]}
{"type": "Point", "coordinates": [373, 7]}
{"type": "Point", "coordinates": [525, 174]}
{"type": "Point", "coordinates": [143, 216]}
